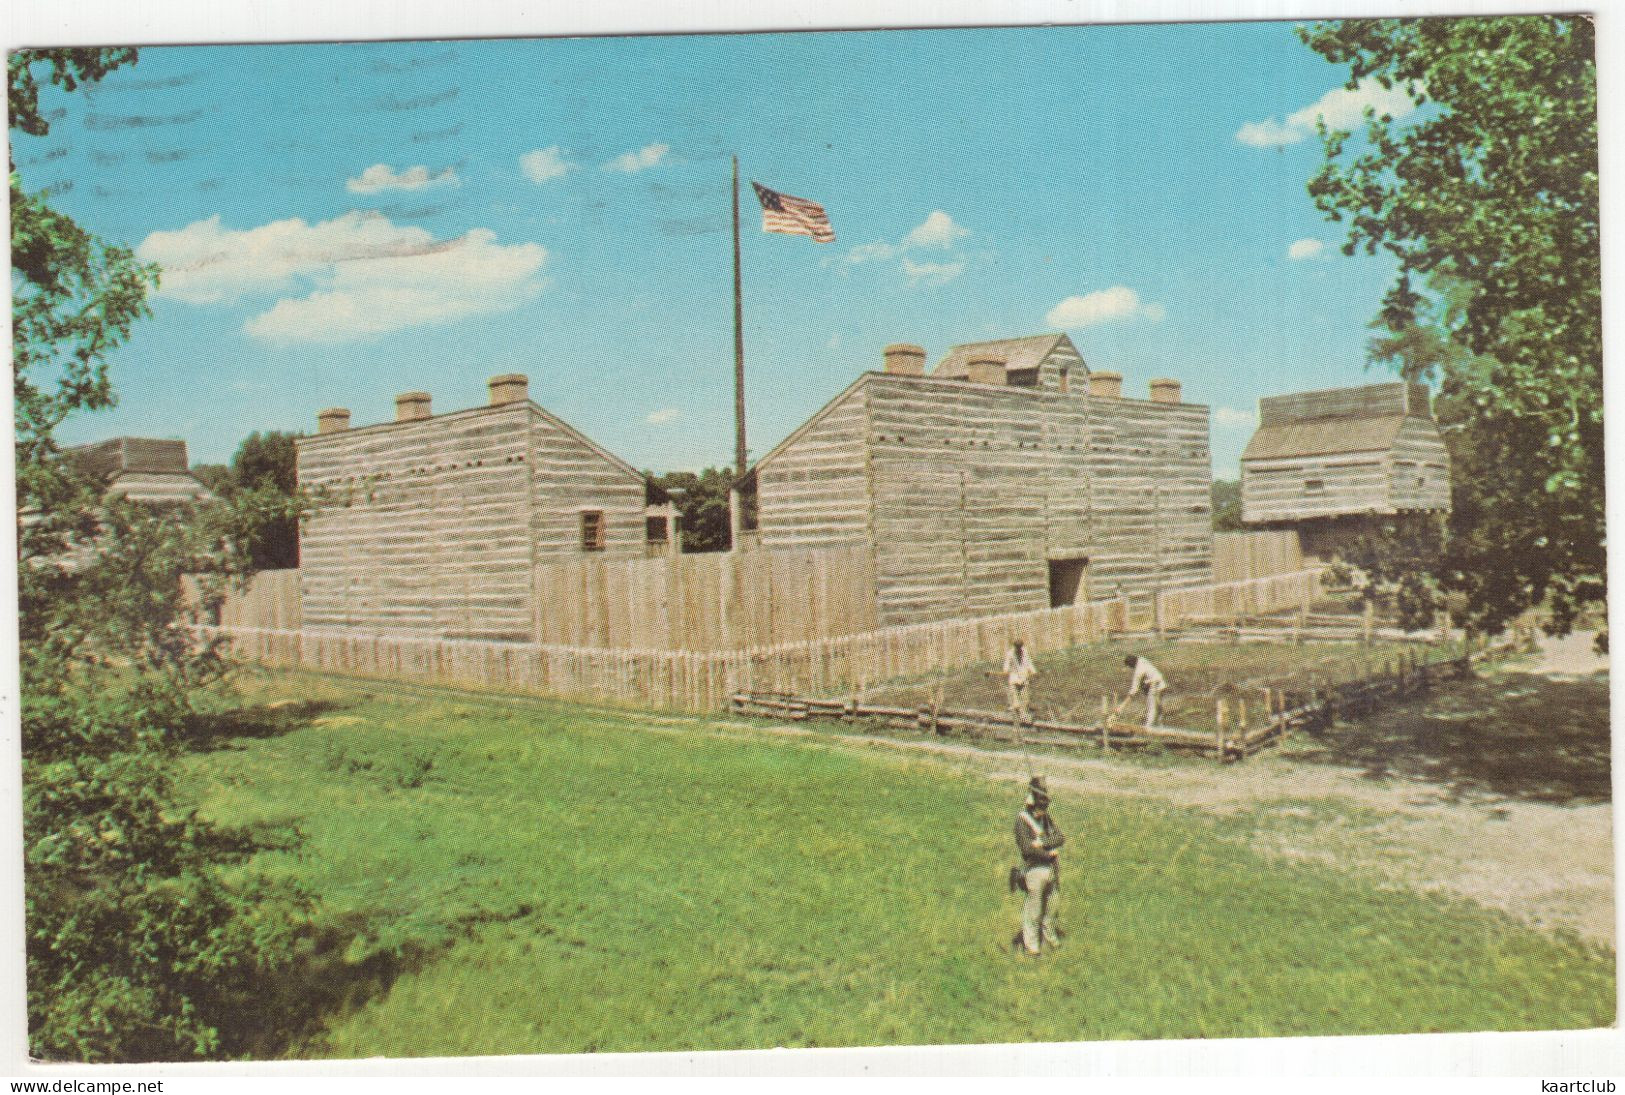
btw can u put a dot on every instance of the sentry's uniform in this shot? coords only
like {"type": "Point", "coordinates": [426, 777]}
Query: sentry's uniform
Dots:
{"type": "Point", "coordinates": [1035, 838]}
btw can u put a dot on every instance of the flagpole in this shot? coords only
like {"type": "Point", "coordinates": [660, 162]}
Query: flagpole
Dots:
{"type": "Point", "coordinates": [739, 342]}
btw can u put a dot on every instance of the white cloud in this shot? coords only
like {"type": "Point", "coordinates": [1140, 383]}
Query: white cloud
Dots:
{"type": "Point", "coordinates": [1101, 306]}
{"type": "Point", "coordinates": [380, 176]}
{"type": "Point", "coordinates": [1268, 134]}
{"type": "Point", "coordinates": [1339, 108]}
{"type": "Point", "coordinates": [932, 273]}
{"type": "Point", "coordinates": [349, 278]}
{"type": "Point", "coordinates": [871, 252]}
{"type": "Point", "coordinates": [937, 230]}
{"type": "Point", "coordinates": [1305, 249]}
{"type": "Point", "coordinates": [545, 164]}
{"type": "Point", "coordinates": [1235, 419]}
{"type": "Point", "coordinates": [662, 416]}
{"type": "Point", "coordinates": [646, 157]}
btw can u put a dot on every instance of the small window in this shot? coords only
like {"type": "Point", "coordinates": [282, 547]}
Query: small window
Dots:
{"type": "Point", "coordinates": [1421, 481]}
{"type": "Point", "coordinates": [1064, 381]}
{"type": "Point", "coordinates": [592, 530]}
{"type": "Point", "coordinates": [1314, 486]}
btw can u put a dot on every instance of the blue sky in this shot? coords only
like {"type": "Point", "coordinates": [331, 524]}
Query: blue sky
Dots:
{"type": "Point", "coordinates": [340, 223]}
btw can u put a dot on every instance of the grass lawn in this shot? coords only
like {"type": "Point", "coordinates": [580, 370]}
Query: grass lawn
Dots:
{"type": "Point", "coordinates": [1071, 682]}
{"type": "Point", "coordinates": [544, 878]}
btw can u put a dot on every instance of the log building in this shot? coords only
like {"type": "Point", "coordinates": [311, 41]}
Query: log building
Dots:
{"type": "Point", "coordinates": [432, 525]}
{"type": "Point", "coordinates": [1009, 478]}
{"type": "Point", "coordinates": [1330, 462]}
{"type": "Point", "coordinates": [144, 469]}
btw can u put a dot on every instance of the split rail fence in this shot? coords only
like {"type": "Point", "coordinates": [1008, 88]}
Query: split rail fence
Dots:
{"type": "Point", "coordinates": [692, 680]}
{"type": "Point", "coordinates": [1231, 738]}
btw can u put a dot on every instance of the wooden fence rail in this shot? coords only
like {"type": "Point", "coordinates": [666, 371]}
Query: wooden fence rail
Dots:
{"type": "Point", "coordinates": [691, 680]}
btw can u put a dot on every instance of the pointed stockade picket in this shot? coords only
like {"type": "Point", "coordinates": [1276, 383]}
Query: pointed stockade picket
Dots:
{"type": "Point", "coordinates": [690, 680]}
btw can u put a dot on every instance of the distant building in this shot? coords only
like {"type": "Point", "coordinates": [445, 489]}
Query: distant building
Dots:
{"type": "Point", "coordinates": [1328, 462]}
{"type": "Point", "coordinates": [142, 468]}
{"type": "Point", "coordinates": [1008, 479]}
{"type": "Point", "coordinates": [432, 525]}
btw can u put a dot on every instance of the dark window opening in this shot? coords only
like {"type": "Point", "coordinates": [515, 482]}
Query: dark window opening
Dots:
{"type": "Point", "coordinates": [1314, 486]}
{"type": "Point", "coordinates": [1066, 581]}
{"type": "Point", "coordinates": [655, 530]}
{"type": "Point", "coordinates": [592, 530]}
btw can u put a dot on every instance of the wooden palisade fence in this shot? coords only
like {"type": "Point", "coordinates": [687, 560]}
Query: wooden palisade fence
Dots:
{"type": "Point", "coordinates": [692, 680]}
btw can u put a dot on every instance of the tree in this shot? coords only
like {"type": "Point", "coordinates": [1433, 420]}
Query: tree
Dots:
{"type": "Point", "coordinates": [703, 502]}
{"type": "Point", "coordinates": [1488, 201]}
{"type": "Point", "coordinates": [138, 947]}
{"type": "Point", "coordinates": [1227, 505]}
{"type": "Point", "coordinates": [263, 477]}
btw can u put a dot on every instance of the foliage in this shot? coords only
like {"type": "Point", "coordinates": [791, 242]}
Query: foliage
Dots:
{"type": "Point", "coordinates": [1399, 558]}
{"type": "Point", "coordinates": [754, 891]}
{"type": "Point", "coordinates": [263, 474]}
{"type": "Point", "coordinates": [138, 945]}
{"type": "Point", "coordinates": [1488, 200]}
{"type": "Point", "coordinates": [1227, 505]}
{"type": "Point", "coordinates": [703, 502]}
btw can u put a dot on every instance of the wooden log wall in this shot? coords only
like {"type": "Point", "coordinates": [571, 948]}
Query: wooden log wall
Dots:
{"type": "Point", "coordinates": [1420, 468]}
{"type": "Point", "coordinates": [432, 527]}
{"type": "Point", "coordinates": [1238, 556]}
{"type": "Point", "coordinates": [1351, 482]}
{"type": "Point", "coordinates": [1152, 505]}
{"type": "Point", "coordinates": [1366, 401]}
{"type": "Point", "coordinates": [709, 602]}
{"type": "Point", "coordinates": [814, 493]}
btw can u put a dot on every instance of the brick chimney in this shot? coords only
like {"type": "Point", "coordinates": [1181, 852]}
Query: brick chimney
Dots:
{"type": "Point", "coordinates": [1106, 385]}
{"type": "Point", "coordinates": [904, 359]}
{"type": "Point", "coordinates": [509, 388]}
{"type": "Point", "coordinates": [1164, 390]}
{"type": "Point", "coordinates": [985, 370]}
{"type": "Point", "coordinates": [411, 406]}
{"type": "Point", "coordinates": [333, 420]}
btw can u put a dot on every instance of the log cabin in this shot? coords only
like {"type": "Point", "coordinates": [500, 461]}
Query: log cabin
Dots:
{"type": "Point", "coordinates": [432, 525]}
{"type": "Point", "coordinates": [1009, 478]}
{"type": "Point", "coordinates": [1330, 463]}
{"type": "Point", "coordinates": [143, 469]}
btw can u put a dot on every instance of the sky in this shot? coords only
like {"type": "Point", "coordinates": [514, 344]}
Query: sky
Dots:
{"type": "Point", "coordinates": [341, 223]}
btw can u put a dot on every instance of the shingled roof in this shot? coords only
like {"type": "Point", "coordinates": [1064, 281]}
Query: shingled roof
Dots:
{"type": "Point", "coordinates": [1027, 352]}
{"type": "Point", "coordinates": [1323, 437]}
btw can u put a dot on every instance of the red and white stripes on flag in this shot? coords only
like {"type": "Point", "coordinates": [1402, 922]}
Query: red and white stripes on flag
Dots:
{"type": "Point", "coordinates": [793, 216]}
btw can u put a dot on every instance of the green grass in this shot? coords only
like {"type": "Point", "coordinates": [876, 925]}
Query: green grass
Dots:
{"type": "Point", "coordinates": [552, 878]}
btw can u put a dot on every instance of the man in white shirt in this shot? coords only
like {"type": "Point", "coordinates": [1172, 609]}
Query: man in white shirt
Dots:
{"type": "Point", "coordinates": [1147, 677]}
{"type": "Point", "coordinates": [1018, 670]}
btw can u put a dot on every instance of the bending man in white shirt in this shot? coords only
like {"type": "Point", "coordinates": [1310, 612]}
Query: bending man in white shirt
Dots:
{"type": "Point", "coordinates": [1146, 676]}
{"type": "Point", "coordinates": [1018, 670]}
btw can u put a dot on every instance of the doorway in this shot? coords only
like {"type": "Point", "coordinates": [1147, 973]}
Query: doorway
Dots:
{"type": "Point", "coordinates": [1066, 581]}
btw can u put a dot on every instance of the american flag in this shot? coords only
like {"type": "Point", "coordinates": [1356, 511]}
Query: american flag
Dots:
{"type": "Point", "coordinates": [794, 216]}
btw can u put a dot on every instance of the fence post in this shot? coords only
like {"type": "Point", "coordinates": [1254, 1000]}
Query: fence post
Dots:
{"type": "Point", "coordinates": [1370, 616]}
